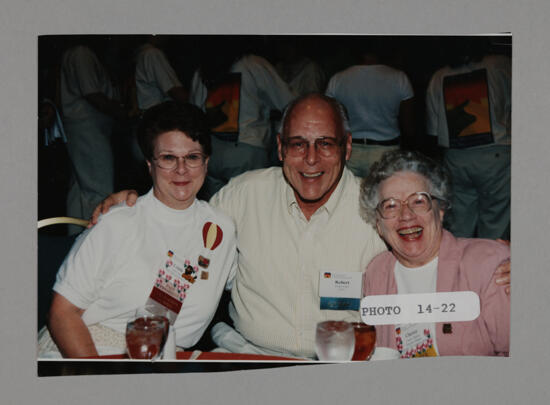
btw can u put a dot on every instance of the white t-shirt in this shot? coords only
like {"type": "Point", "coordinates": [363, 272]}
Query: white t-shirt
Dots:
{"type": "Point", "coordinates": [499, 81]}
{"type": "Point", "coordinates": [262, 90]}
{"type": "Point", "coordinates": [372, 95]}
{"type": "Point", "coordinates": [154, 77]}
{"type": "Point", "coordinates": [82, 74]}
{"type": "Point", "coordinates": [417, 337]}
{"type": "Point", "coordinates": [111, 269]}
{"type": "Point", "coordinates": [275, 297]}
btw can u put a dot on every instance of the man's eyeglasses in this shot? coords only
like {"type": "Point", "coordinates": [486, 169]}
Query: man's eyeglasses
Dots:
{"type": "Point", "coordinates": [170, 162]}
{"type": "Point", "coordinates": [419, 203]}
{"type": "Point", "coordinates": [297, 146]}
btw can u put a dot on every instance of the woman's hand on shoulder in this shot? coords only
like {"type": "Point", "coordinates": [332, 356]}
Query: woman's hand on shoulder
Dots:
{"type": "Point", "coordinates": [504, 270]}
{"type": "Point", "coordinates": [128, 196]}
{"type": "Point", "coordinates": [503, 275]}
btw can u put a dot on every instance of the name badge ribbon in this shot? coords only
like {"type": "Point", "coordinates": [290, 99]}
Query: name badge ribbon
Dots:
{"type": "Point", "coordinates": [174, 278]}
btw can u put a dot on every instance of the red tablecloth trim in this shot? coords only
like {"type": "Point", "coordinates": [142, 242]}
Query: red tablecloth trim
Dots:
{"type": "Point", "coordinates": [235, 356]}
{"type": "Point", "coordinates": [218, 356]}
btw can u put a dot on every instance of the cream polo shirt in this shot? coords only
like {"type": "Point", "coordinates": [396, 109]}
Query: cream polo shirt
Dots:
{"type": "Point", "coordinates": [275, 296]}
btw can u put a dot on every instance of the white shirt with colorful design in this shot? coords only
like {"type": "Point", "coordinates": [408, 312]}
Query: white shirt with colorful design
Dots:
{"type": "Point", "coordinates": [112, 268]}
{"type": "Point", "coordinates": [261, 91]}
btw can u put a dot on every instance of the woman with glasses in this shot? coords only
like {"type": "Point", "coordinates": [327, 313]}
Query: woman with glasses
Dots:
{"type": "Point", "coordinates": [405, 197]}
{"type": "Point", "coordinates": [170, 252]}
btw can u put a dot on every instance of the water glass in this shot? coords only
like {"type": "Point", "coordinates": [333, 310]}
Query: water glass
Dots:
{"type": "Point", "coordinates": [334, 341]}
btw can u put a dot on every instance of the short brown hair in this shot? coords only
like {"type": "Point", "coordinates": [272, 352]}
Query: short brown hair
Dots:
{"type": "Point", "coordinates": [172, 116]}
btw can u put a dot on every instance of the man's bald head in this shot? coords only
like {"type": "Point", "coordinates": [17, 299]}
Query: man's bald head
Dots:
{"type": "Point", "coordinates": [339, 111]}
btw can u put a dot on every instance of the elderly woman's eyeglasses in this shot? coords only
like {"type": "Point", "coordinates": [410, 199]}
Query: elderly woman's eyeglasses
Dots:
{"type": "Point", "coordinates": [298, 146]}
{"type": "Point", "coordinates": [170, 162]}
{"type": "Point", "coordinates": [419, 203]}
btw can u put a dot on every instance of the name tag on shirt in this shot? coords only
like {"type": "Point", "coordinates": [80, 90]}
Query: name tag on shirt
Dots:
{"type": "Point", "coordinates": [174, 278]}
{"type": "Point", "coordinates": [340, 291]}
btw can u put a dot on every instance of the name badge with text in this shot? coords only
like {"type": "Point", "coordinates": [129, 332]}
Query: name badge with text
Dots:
{"type": "Point", "coordinates": [340, 291]}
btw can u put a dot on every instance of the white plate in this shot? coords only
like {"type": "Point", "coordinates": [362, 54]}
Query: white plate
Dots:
{"type": "Point", "coordinates": [385, 353]}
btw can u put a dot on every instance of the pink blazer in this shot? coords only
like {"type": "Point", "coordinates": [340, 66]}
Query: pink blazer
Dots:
{"type": "Point", "coordinates": [463, 265]}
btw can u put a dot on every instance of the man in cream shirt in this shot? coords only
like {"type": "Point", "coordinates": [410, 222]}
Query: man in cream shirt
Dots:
{"type": "Point", "coordinates": [292, 224]}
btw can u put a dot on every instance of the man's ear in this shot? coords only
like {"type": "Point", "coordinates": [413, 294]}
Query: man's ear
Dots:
{"type": "Point", "coordinates": [348, 145]}
{"type": "Point", "coordinates": [148, 166]}
{"type": "Point", "coordinates": [280, 147]}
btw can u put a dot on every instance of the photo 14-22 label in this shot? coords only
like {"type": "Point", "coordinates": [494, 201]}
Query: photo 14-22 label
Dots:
{"type": "Point", "coordinates": [420, 308]}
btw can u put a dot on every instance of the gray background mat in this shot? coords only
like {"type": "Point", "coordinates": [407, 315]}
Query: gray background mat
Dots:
{"type": "Point", "coordinates": [522, 378]}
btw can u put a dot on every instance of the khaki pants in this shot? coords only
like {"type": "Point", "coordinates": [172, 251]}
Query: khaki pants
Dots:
{"type": "Point", "coordinates": [363, 156]}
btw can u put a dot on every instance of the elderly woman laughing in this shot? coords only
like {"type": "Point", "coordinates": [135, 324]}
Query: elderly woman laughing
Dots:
{"type": "Point", "coordinates": [405, 197]}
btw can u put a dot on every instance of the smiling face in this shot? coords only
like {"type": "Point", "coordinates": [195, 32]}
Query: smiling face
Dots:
{"type": "Point", "coordinates": [176, 188]}
{"type": "Point", "coordinates": [414, 238]}
{"type": "Point", "coordinates": [313, 177]}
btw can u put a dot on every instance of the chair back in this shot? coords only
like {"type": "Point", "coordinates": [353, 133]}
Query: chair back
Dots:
{"type": "Point", "coordinates": [52, 250]}
{"type": "Point", "coordinates": [62, 220]}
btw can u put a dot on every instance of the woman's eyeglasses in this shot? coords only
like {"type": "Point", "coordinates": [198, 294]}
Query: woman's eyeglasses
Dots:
{"type": "Point", "coordinates": [170, 162]}
{"type": "Point", "coordinates": [419, 203]}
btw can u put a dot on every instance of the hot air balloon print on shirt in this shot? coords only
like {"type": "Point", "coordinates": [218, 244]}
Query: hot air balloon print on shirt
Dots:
{"type": "Point", "coordinates": [212, 236]}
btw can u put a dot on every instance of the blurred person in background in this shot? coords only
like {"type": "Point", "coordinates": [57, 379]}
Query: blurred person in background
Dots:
{"type": "Point", "coordinates": [90, 104]}
{"type": "Point", "coordinates": [379, 100]}
{"type": "Point", "coordinates": [302, 73]}
{"type": "Point", "coordinates": [469, 110]}
{"type": "Point", "coordinates": [240, 92]}
{"type": "Point", "coordinates": [156, 79]}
